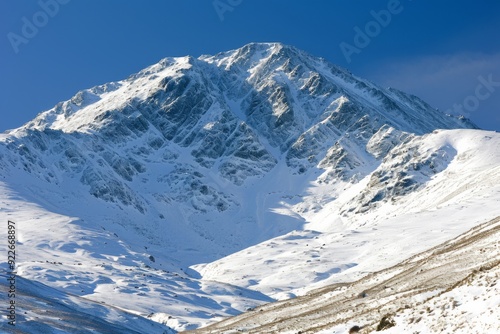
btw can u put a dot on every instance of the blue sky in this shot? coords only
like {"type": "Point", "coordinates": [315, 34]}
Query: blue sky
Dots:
{"type": "Point", "coordinates": [447, 52]}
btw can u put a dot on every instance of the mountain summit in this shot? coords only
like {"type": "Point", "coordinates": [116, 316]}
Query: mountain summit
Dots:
{"type": "Point", "coordinates": [241, 111]}
{"type": "Point", "coordinates": [195, 159]}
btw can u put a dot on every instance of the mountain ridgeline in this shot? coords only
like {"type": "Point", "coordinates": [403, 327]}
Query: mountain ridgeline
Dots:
{"type": "Point", "coordinates": [193, 131]}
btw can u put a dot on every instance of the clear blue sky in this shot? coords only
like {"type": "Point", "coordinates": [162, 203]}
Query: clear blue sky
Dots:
{"type": "Point", "coordinates": [447, 52]}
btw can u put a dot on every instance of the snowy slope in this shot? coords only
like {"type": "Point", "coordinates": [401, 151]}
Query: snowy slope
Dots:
{"type": "Point", "coordinates": [47, 310]}
{"type": "Point", "coordinates": [473, 305]}
{"type": "Point", "coordinates": [341, 245]}
{"type": "Point", "coordinates": [196, 186]}
{"type": "Point", "coordinates": [423, 294]}
{"type": "Point", "coordinates": [108, 264]}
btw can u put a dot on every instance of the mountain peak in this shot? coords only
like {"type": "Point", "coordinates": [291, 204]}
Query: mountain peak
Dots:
{"type": "Point", "coordinates": [278, 90]}
{"type": "Point", "coordinates": [252, 54]}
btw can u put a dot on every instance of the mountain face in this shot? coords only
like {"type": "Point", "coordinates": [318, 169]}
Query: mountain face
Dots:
{"type": "Point", "coordinates": [194, 159]}
{"type": "Point", "coordinates": [216, 120]}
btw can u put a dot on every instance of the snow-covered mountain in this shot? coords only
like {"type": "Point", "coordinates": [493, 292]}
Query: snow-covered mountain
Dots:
{"type": "Point", "coordinates": [193, 189]}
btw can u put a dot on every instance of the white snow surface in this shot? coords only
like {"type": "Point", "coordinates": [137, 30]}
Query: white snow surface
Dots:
{"type": "Point", "coordinates": [470, 308]}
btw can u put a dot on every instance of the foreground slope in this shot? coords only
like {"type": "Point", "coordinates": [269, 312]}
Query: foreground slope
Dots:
{"type": "Point", "coordinates": [418, 290]}
{"type": "Point", "coordinates": [41, 309]}
{"type": "Point", "coordinates": [107, 266]}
